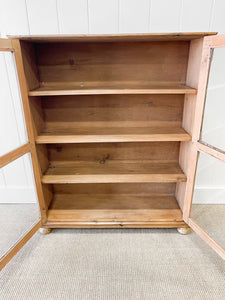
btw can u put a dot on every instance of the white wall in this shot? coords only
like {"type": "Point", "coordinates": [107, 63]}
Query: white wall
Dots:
{"type": "Point", "coordinates": [83, 16]}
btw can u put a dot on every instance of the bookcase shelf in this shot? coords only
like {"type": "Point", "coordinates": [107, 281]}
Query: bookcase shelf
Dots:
{"type": "Point", "coordinates": [110, 120]}
{"type": "Point", "coordinates": [109, 88]}
{"type": "Point", "coordinates": [121, 210]}
{"type": "Point", "coordinates": [112, 172]}
{"type": "Point", "coordinates": [112, 134]}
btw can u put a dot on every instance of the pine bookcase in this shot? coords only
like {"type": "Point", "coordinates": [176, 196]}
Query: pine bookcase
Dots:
{"type": "Point", "coordinates": [112, 120]}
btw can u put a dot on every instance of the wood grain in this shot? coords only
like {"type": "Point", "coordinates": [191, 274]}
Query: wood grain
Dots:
{"type": "Point", "coordinates": [105, 135]}
{"type": "Point", "coordinates": [21, 66]}
{"type": "Point", "coordinates": [14, 154]}
{"type": "Point", "coordinates": [186, 36]}
{"type": "Point", "coordinates": [112, 171]}
{"type": "Point", "coordinates": [114, 209]}
{"type": "Point", "coordinates": [186, 159]}
{"type": "Point", "coordinates": [210, 150]}
{"type": "Point", "coordinates": [104, 152]}
{"type": "Point", "coordinates": [144, 189]}
{"type": "Point", "coordinates": [116, 88]}
{"type": "Point", "coordinates": [115, 67]}
{"type": "Point", "coordinates": [6, 45]}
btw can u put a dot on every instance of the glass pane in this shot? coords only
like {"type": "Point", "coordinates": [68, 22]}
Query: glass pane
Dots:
{"type": "Point", "coordinates": [12, 125]}
{"type": "Point", "coordinates": [19, 209]}
{"type": "Point", "coordinates": [213, 127]}
{"type": "Point", "coordinates": [208, 208]}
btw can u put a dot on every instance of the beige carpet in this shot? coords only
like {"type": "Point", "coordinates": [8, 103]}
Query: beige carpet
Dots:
{"type": "Point", "coordinates": [15, 220]}
{"type": "Point", "coordinates": [116, 264]}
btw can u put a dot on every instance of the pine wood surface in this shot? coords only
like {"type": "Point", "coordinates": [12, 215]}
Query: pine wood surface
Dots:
{"type": "Point", "coordinates": [99, 88]}
{"type": "Point", "coordinates": [114, 208]}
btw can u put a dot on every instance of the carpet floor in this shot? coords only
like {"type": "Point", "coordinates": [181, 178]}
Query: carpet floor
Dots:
{"type": "Point", "coordinates": [114, 264]}
{"type": "Point", "coordinates": [15, 220]}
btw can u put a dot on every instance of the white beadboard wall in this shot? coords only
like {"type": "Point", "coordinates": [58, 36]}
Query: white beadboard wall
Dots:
{"type": "Point", "coordinates": [90, 16]}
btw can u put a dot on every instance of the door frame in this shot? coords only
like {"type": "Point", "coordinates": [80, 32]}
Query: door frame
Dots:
{"type": "Point", "coordinates": [6, 45]}
{"type": "Point", "coordinates": [209, 43]}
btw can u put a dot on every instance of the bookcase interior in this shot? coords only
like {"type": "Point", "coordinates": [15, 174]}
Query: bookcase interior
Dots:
{"type": "Point", "coordinates": [108, 120]}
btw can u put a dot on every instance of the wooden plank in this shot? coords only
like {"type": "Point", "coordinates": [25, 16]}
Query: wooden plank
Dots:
{"type": "Point", "coordinates": [115, 65]}
{"type": "Point", "coordinates": [49, 179]}
{"type": "Point", "coordinates": [29, 64]}
{"type": "Point", "coordinates": [57, 90]}
{"type": "Point", "coordinates": [207, 238]}
{"type": "Point", "coordinates": [186, 36]}
{"type": "Point", "coordinates": [210, 150]}
{"type": "Point", "coordinates": [14, 154]}
{"type": "Point", "coordinates": [215, 42]}
{"type": "Point", "coordinates": [196, 127]}
{"type": "Point", "coordinates": [101, 153]}
{"type": "Point", "coordinates": [71, 112]}
{"type": "Point", "coordinates": [197, 76]}
{"type": "Point", "coordinates": [112, 172]}
{"type": "Point", "coordinates": [6, 45]}
{"type": "Point", "coordinates": [30, 129]}
{"type": "Point", "coordinates": [114, 209]}
{"type": "Point", "coordinates": [193, 72]}
{"type": "Point", "coordinates": [9, 255]}
{"type": "Point", "coordinates": [104, 135]}
{"type": "Point", "coordinates": [141, 189]}
{"type": "Point", "coordinates": [116, 224]}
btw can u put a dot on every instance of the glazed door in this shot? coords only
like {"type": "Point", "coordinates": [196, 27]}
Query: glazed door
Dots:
{"type": "Point", "coordinates": [206, 213]}
{"type": "Point", "coordinates": [19, 209]}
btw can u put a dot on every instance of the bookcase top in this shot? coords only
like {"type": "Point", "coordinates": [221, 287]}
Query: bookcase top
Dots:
{"type": "Point", "coordinates": [178, 36]}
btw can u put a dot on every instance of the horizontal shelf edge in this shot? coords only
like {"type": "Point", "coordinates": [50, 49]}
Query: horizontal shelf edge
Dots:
{"type": "Point", "coordinates": [51, 139]}
{"type": "Point", "coordinates": [115, 178]}
{"type": "Point", "coordinates": [83, 224]}
{"type": "Point", "coordinates": [112, 91]}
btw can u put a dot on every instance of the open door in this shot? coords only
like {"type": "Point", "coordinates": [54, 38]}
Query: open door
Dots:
{"type": "Point", "coordinates": [205, 213]}
{"type": "Point", "coordinates": [19, 219]}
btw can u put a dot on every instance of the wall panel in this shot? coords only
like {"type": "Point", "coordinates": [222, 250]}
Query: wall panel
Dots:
{"type": "Point", "coordinates": [73, 16]}
{"type": "Point", "coordinates": [103, 16]}
{"type": "Point", "coordinates": [42, 16]}
{"type": "Point", "coordinates": [218, 20]}
{"type": "Point", "coordinates": [165, 16]}
{"type": "Point", "coordinates": [196, 15]}
{"type": "Point", "coordinates": [13, 17]}
{"type": "Point", "coordinates": [134, 16]}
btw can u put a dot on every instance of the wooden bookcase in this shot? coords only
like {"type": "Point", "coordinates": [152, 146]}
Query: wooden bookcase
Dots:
{"type": "Point", "coordinates": [111, 123]}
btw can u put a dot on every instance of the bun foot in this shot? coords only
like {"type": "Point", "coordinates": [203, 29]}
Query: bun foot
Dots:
{"type": "Point", "coordinates": [186, 230]}
{"type": "Point", "coordinates": [43, 230]}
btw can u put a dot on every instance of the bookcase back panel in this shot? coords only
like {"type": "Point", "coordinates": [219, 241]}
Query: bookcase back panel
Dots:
{"type": "Point", "coordinates": [71, 112]}
{"type": "Point", "coordinates": [105, 152]}
{"type": "Point", "coordinates": [117, 188]}
{"type": "Point", "coordinates": [90, 62]}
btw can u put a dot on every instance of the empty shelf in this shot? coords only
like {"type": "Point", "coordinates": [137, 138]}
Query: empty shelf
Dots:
{"type": "Point", "coordinates": [114, 210]}
{"type": "Point", "coordinates": [113, 171]}
{"type": "Point", "coordinates": [117, 134]}
{"type": "Point", "coordinates": [112, 88]}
